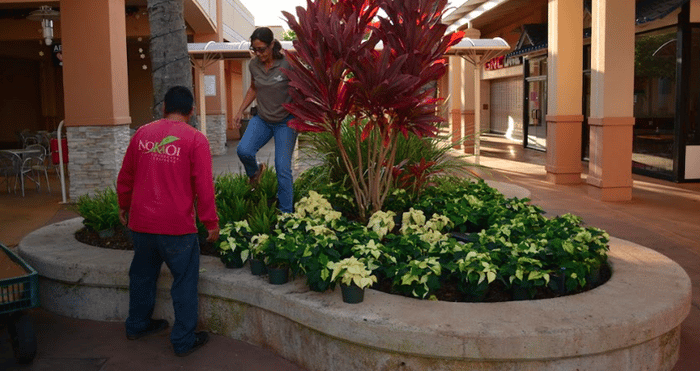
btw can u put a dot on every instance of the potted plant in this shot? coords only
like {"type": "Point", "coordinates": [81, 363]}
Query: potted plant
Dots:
{"type": "Point", "coordinates": [257, 246]}
{"type": "Point", "coordinates": [354, 278]}
{"type": "Point", "coordinates": [233, 244]}
{"type": "Point", "coordinates": [475, 271]}
{"type": "Point", "coordinates": [279, 254]}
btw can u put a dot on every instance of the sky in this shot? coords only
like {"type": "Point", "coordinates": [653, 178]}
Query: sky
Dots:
{"type": "Point", "coordinates": [269, 12]}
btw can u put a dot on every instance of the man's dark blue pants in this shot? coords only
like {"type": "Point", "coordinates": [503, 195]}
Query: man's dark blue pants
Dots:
{"type": "Point", "coordinates": [181, 255]}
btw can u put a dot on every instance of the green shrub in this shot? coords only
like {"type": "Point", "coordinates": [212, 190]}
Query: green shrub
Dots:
{"type": "Point", "coordinates": [232, 197]}
{"type": "Point", "coordinates": [263, 216]}
{"type": "Point", "coordinates": [411, 151]}
{"type": "Point", "coordinates": [100, 210]}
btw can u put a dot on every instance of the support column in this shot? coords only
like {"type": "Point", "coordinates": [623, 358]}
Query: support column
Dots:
{"type": "Point", "coordinates": [612, 89]}
{"type": "Point", "coordinates": [213, 125]}
{"type": "Point", "coordinates": [471, 88]}
{"type": "Point", "coordinates": [456, 67]}
{"type": "Point", "coordinates": [564, 84]}
{"type": "Point", "coordinates": [478, 113]}
{"type": "Point", "coordinates": [95, 85]}
{"type": "Point", "coordinates": [468, 108]}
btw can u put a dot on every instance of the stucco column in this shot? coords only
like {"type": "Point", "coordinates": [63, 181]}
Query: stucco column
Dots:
{"type": "Point", "coordinates": [95, 86]}
{"type": "Point", "coordinates": [455, 71]}
{"type": "Point", "coordinates": [468, 87]}
{"type": "Point", "coordinates": [479, 96]}
{"type": "Point", "coordinates": [215, 81]}
{"type": "Point", "coordinates": [564, 84]}
{"type": "Point", "coordinates": [612, 89]}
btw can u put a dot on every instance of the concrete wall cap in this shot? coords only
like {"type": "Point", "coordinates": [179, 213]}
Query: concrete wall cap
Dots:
{"type": "Point", "coordinates": [647, 296]}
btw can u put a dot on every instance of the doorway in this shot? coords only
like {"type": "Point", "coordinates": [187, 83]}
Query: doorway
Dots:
{"type": "Point", "coordinates": [535, 108]}
{"type": "Point", "coordinates": [536, 125]}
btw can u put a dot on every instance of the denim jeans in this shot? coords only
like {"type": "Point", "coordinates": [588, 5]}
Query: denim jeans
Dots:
{"type": "Point", "coordinates": [181, 255]}
{"type": "Point", "coordinates": [256, 135]}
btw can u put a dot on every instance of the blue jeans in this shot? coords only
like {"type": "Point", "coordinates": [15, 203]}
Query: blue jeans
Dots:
{"type": "Point", "coordinates": [256, 135]}
{"type": "Point", "coordinates": [181, 255]}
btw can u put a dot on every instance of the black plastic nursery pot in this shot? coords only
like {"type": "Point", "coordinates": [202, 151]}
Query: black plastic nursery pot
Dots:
{"type": "Point", "coordinates": [278, 276]}
{"type": "Point", "coordinates": [352, 294]}
{"type": "Point", "coordinates": [235, 262]}
{"type": "Point", "coordinates": [257, 267]}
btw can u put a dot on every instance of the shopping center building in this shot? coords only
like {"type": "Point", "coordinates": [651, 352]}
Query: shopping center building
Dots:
{"type": "Point", "coordinates": [611, 83]}
{"type": "Point", "coordinates": [92, 70]}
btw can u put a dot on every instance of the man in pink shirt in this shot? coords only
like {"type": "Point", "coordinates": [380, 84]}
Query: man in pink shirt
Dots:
{"type": "Point", "coordinates": [167, 170]}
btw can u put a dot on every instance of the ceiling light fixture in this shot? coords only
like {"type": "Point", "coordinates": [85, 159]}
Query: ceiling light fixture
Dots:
{"type": "Point", "coordinates": [46, 16]}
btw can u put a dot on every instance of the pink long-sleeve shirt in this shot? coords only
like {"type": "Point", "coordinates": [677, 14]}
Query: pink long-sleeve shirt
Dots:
{"type": "Point", "coordinates": [167, 166]}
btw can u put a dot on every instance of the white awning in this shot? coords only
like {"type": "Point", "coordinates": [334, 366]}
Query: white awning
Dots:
{"type": "Point", "coordinates": [479, 51]}
{"type": "Point", "coordinates": [211, 51]}
{"type": "Point", "coordinates": [227, 50]}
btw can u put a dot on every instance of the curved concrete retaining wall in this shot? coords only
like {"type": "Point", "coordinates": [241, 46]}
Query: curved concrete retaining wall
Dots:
{"type": "Point", "coordinates": [630, 323]}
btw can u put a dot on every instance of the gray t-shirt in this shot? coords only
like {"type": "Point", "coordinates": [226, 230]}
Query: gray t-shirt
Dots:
{"type": "Point", "coordinates": [271, 89]}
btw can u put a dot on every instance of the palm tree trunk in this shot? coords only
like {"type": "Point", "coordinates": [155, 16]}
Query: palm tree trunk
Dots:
{"type": "Point", "coordinates": [169, 57]}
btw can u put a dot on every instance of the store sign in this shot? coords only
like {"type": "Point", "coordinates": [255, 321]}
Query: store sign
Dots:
{"type": "Point", "coordinates": [502, 62]}
{"type": "Point", "coordinates": [57, 52]}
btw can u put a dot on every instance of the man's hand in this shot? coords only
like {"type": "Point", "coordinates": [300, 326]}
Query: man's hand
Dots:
{"type": "Point", "coordinates": [213, 235]}
{"type": "Point", "coordinates": [123, 216]}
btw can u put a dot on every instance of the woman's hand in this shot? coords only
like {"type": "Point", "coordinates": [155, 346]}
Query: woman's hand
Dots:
{"type": "Point", "coordinates": [236, 122]}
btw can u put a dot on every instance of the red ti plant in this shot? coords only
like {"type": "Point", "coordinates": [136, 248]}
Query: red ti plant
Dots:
{"type": "Point", "coordinates": [349, 67]}
{"type": "Point", "coordinates": [414, 177]}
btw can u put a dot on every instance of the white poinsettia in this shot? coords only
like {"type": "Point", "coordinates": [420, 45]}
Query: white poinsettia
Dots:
{"type": "Point", "coordinates": [320, 230]}
{"type": "Point", "coordinates": [382, 222]}
{"type": "Point", "coordinates": [257, 243]}
{"type": "Point", "coordinates": [241, 226]}
{"type": "Point", "coordinates": [369, 252]}
{"type": "Point", "coordinates": [332, 215]}
{"type": "Point", "coordinates": [432, 237]}
{"type": "Point", "coordinates": [313, 205]}
{"type": "Point", "coordinates": [411, 221]}
{"type": "Point", "coordinates": [438, 223]}
{"type": "Point", "coordinates": [350, 270]}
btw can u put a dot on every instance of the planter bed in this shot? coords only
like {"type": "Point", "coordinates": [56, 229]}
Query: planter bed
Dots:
{"type": "Point", "coordinates": [632, 322]}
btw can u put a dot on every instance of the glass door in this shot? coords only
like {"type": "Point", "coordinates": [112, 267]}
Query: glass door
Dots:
{"type": "Point", "coordinates": [536, 128]}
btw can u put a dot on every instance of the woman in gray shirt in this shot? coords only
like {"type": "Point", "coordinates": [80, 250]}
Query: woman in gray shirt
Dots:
{"type": "Point", "coordinates": [269, 86]}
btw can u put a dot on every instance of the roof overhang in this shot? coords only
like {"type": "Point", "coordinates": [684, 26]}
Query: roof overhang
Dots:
{"type": "Point", "coordinates": [467, 11]}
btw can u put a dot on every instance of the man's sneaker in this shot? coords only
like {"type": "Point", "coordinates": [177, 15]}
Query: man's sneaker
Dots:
{"type": "Point", "coordinates": [255, 179]}
{"type": "Point", "coordinates": [200, 338]}
{"type": "Point", "coordinates": [156, 325]}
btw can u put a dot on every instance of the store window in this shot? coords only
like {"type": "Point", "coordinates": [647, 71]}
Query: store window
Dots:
{"type": "Point", "coordinates": [689, 124]}
{"type": "Point", "coordinates": [692, 128]}
{"type": "Point", "coordinates": [654, 101]}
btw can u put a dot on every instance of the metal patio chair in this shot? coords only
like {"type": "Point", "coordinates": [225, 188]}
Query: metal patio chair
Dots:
{"type": "Point", "coordinates": [8, 169]}
{"type": "Point", "coordinates": [33, 165]}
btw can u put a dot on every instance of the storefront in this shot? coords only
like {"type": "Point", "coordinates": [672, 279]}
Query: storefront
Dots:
{"type": "Point", "coordinates": [666, 132]}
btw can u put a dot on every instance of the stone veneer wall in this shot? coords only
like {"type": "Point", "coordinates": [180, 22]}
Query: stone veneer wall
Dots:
{"type": "Point", "coordinates": [95, 156]}
{"type": "Point", "coordinates": [216, 133]}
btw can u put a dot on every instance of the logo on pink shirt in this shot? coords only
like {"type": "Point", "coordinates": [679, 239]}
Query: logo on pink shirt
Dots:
{"type": "Point", "coordinates": [163, 148]}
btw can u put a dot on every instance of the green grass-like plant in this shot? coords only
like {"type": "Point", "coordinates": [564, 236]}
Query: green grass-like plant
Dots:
{"type": "Point", "coordinates": [232, 197]}
{"type": "Point", "coordinates": [100, 210]}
